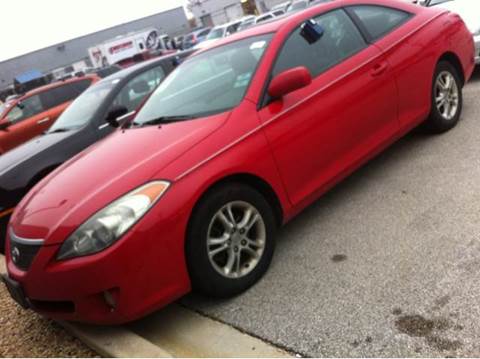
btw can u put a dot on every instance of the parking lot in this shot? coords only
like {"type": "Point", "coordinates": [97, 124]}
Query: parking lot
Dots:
{"type": "Point", "coordinates": [385, 265]}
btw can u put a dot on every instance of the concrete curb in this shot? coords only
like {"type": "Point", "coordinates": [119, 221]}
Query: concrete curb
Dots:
{"type": "Point", "coordinates": [115, 342]}
{"type": "Point", "coordinates": [172, 332]}
{"type": "Point", "coordinates": [184, 333]}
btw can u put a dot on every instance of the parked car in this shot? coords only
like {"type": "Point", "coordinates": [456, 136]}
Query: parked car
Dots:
{"type": "Point", "coordinates": [103, 72]}
{"type": "Point", "coordinates": [255, 20]}
{"type": "Point", "coordinates": [469, 11]}
{"type": "Point", "coordinates": [196, 37]}
{"type": "Point", "coordinates": [30, 115]}
{"type": "Point", "coordinates": [179, 42]}
{"type": "Point", "coordinates": [218, 33]}
{"type": "Point", "coordinates": [82, 124]}
{"type": "Point", "coordinates": [282, 6]}
{"type": "Point", "coordinates": [300, 5]}
{"type": "Point", "coordinates": [234, 143]}
{"type": "Point", "coordinates": [297, 5]}
{"type": "Point", "coordinates": [247, 21]}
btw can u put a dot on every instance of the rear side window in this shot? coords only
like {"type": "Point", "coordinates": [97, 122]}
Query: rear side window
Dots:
{"type": "Point", "coordinates": [27, 108]}
{"type": "Point", "coordinates": [341, 39]}
{"type": "Point", "coordinates": [68, 92]}
{"type": "Point", "coordinates": [379, 20]}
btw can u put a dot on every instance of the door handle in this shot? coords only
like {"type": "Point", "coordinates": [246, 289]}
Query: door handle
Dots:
{"type": "Point", "coordinates": [46, 119]}
{"type": "Point", "coordinates": [379, 68]}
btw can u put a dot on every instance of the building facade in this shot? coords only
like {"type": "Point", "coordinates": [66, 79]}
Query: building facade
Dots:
{"type": "Point", "coordinates": [75, 51]}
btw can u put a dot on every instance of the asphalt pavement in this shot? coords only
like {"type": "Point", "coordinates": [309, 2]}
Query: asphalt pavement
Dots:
{"type": "Point", "coordinates": [386, 264]}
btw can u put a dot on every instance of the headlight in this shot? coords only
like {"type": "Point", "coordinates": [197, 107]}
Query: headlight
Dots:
{"type": "Point", "coordinates": [109, 224]}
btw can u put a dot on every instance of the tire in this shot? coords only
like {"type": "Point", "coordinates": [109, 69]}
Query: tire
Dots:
{"type": "Point", "coordinates": [210, 274]}
{"type": "Point", "coordinates": [441, 119]}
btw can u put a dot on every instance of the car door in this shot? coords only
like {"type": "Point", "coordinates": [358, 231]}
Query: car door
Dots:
{"type": "Point", "coordinates": [321, 132]}
{"type": "Point", "coordinates": [396, 32]}
{"type": "Point", "coordinates": [24, 118]}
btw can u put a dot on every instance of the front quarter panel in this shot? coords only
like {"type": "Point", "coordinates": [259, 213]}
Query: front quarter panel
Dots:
{"type": "Point", "coordinates": [241, 148]}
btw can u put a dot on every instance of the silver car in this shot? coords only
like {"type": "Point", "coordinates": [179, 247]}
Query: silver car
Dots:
{"type": "Point", "coordinates": [469, 10]}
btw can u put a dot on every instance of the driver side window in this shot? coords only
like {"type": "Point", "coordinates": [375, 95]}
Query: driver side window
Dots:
{"type": "Point", "coordinates": [137, 89]}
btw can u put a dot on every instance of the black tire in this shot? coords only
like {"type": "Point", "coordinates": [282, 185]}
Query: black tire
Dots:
{"type": "Point", "coordinates": [205, 278]}
{"type": "Point", "coordinates": [436, 122]}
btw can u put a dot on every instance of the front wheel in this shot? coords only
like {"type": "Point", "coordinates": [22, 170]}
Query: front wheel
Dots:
{"type": "Point", "coordinates": [447, 99]}
{"type": "Point", "coordinates": [230, 241]}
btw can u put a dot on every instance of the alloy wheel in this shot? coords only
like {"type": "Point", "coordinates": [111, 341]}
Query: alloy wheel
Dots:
{"type": "Point", "coordinates": [236, 239]}
{"type": "Point", "coordinates": [447, 95]}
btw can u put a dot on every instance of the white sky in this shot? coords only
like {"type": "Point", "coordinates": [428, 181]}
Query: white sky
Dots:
{"type": "Point", "coordinates": [28, 25]}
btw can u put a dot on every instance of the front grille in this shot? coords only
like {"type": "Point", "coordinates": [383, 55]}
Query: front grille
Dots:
{"type": "Point", "coordinates": [23, 251]}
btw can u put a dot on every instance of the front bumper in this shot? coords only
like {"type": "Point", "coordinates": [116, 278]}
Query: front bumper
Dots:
{"type": "Point", "coordinates": [140, 273]}
{"type": "Point", "coordinates": [476, 39]}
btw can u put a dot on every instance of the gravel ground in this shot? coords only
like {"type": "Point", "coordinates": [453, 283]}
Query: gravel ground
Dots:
{"type": "Point", "coordinates": [26, 334]}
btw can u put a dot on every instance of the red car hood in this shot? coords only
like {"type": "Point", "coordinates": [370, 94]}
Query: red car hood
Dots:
{"type": "Point", "coordinates": [111, 168]}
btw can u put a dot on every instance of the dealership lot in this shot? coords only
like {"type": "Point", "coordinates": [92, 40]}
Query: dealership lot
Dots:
{"type": "Point", "coordinates": [386, 264]}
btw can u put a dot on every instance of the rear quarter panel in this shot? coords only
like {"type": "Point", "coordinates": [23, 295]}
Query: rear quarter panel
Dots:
{"type": "Point", "coordinates": [414, 50]}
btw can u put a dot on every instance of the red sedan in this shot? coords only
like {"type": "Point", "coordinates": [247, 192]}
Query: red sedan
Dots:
{"type": "Point", "coordinates": [234, 143]}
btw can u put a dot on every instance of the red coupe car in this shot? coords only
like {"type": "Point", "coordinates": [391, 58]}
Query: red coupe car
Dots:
{"type": "Point", "coordinates": [234, 143]}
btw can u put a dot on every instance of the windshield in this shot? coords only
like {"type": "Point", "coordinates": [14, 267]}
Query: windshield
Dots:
{"type": "Point", "coordinates": [81, 111]}
{"type": "Point", "coordinates": [209, 83]}
{"type": "Point", "coordinates": [216, 33]}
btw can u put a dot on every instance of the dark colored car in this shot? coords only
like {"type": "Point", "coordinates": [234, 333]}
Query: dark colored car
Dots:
{"type": "Point", "coordinates": [82, 124]}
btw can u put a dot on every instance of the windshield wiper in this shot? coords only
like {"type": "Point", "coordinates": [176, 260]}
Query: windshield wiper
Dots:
{"type": "Point", "coordinates": [165, 120]}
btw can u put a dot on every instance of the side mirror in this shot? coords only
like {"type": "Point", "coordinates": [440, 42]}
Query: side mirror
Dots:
{"type": "Point", "coordinates": [140, 87]}
{"type": "Point", "coordinates": [113, 115]}
{"type": "Point", "coordinates": [4, 125]}
{"type": "Point", "coordinates": [289, 81]}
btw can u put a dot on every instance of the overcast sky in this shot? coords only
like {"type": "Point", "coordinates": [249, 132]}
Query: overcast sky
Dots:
{"type": "Point", "coordinates": [28, 25]}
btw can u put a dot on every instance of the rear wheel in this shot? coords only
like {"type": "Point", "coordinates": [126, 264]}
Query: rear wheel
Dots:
{"type": "Point", "coordinates": [230, 242]}
{"type": "Point", "coordinates": [447, 99]}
